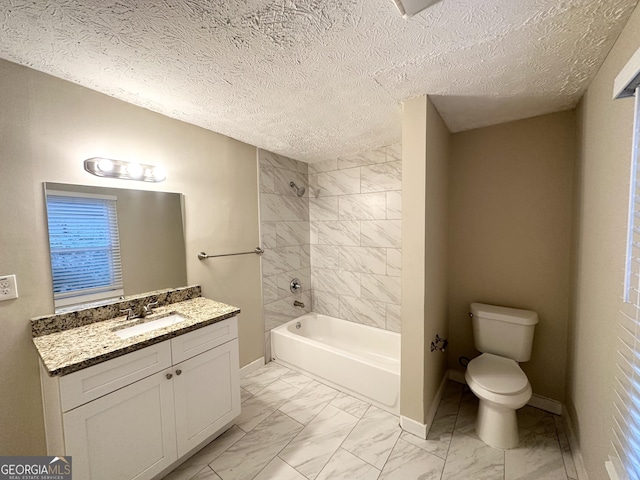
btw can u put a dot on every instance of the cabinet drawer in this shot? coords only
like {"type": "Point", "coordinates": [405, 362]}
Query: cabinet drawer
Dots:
{"type": "Point", "coordinates": [85, 385]}
{"type": "Point", "coordinates": [193, 343]}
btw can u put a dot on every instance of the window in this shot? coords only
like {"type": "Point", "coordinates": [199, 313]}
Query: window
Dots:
{"type": "Point", "coordinates": [85, 247]}
{"type": "Point", "coordinates": [624, 463]}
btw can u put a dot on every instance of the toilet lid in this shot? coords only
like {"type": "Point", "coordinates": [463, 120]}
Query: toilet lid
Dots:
{"type": "Point", "coordinates": [497, 374]}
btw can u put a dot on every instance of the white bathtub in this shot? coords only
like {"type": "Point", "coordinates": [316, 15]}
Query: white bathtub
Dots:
{"type": "Point", "coordinates": [357, 359]}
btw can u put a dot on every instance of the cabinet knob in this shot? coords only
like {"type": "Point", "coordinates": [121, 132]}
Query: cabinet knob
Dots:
{"type": "Point", "coordinates": [178, 372]}
{"type": "Point", "coordinates": [169, 376]}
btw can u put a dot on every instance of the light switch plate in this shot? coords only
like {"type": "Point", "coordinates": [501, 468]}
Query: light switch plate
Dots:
{"type": "Point", "coordinates": [8, 287]}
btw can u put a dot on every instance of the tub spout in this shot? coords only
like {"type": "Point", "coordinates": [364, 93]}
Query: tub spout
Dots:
{"type": "Point", "coordinates": [296, 303]}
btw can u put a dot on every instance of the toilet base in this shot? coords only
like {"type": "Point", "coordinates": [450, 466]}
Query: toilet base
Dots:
{"type": "Point", "coordinates": [497, 426]}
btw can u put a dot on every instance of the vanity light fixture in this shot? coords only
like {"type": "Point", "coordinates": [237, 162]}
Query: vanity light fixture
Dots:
{"type": "Point", "coordinates": [105, 167]}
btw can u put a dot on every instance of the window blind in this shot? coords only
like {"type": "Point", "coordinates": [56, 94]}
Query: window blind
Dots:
{"type": "Point", "coordinates": [85, 247]}
{"type": "Point", "coordinates": [624, 463]}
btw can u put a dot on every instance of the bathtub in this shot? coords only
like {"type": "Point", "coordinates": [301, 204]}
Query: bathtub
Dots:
{"type": "Point", "coordinates": [357, 359]}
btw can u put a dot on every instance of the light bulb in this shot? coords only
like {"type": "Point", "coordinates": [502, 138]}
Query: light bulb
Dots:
{"type": "Point", "coordinates": [135, 170]}
{"type": "Point", "coordinates": [105, 165]}
{"type": "Point", "coordinates": [159, 173]}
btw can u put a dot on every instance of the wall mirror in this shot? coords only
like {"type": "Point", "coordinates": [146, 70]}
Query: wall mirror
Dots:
{"type": "Point", "coordinates": [90, 226]}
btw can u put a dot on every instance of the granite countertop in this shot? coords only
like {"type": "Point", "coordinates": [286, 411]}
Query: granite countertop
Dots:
{"type": "Point", "coordinates": [68, 351]}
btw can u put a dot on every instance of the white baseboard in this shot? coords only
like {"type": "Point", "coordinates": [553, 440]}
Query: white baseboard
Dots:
{"type": "Point", "coordinates": [547, 404]}
{"type": "Point", "coordinates": [575, 447]}
{"type": "Point", "coordinates": [456, 376]}
{"type": "Point", "coordinates": [251, 367]}
{"type": "Point", "coordinates": [613, 466]}
{"type": "Point", "coordinates": [415, 428]}
{"type": "Point", "coordinates": [422, 429]}
{"type": "Point", "coordinates": [436, 401]}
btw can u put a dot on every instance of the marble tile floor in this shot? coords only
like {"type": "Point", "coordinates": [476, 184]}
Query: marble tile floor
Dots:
{"type": "Point", "coordinates": [295, 428]}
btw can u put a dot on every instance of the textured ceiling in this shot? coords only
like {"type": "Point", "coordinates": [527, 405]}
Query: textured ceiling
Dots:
{"type": "Point", "coordinates": [313, 79]}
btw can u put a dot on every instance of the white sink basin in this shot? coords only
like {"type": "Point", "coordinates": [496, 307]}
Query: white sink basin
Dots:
{"type": "Point", "coordinates": [149, 326]}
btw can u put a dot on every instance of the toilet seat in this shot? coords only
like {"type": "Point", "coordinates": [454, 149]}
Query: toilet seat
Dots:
{"type": "Point", "coordinates": [498, 375]}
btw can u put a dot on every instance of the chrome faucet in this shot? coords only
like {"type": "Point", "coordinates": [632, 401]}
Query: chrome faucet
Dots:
{"type": "Point", "coordinates": [148, 308]}
{"type": "Point", "coordinates": [129, 312]}
{"type": "Point", "coordinates": [296, 303]}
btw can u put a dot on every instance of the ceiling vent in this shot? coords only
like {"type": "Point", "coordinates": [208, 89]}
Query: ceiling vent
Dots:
{"type": "Point", "coordinates": [409, 8]}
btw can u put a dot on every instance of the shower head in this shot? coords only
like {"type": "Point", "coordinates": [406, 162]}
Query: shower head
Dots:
{"type": "Point", "coordinates": [299, 190]}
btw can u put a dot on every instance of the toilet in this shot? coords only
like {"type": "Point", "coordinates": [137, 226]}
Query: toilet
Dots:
{"type": "Point", "coordinates": [505, 337]}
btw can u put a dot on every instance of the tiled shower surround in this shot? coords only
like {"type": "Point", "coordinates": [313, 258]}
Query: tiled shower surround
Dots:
{"type": "Point", "coordinates": [284, 228]}
{"type": "Point", "coordinates": [341, 239]}
{"type": "Point", "coordinates": [355, 212]}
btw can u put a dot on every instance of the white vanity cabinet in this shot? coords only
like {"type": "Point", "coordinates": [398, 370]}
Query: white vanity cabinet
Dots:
{"type": "Point", "coordinates": [136, 415]}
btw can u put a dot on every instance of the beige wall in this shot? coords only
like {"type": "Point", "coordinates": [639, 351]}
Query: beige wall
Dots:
{"type": "Point", "coordinates": [437, 251]}
{"type": "Point", "coordinates": [47, 128]}
{"type": "Point", "coordinates": [425, 164]}
{"type": "Point", "coordinates": [601, 203]}
{"type": "Point", "coordinates": [414, 171]}
{"type": "Point", "coordinates": [510, 235]}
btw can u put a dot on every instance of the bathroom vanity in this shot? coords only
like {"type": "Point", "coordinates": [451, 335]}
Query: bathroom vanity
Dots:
{"type": "Point", "coordinates": [131, 398]}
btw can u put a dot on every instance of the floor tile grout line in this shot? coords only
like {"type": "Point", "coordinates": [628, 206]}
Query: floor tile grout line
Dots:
{"type": "Point", "coordinates": [279, 451]}
{"type": "Point", "coordinates": [345, 439]}
{"type": "Point", "coordinates": [225, 450]}
{"type": "Point", "coordinates": [268, 385]}
{"type": "Point", "coordinates": [287, 415]}
{"type": "Point", "coordinates": [208, 465]}
{"type": "Point", "coordinates": [277, 408]}
{"type": "Point", "coordinates": [270, 415]}
{"type": "Point", "coordinates": [278, 454]}
{"type": "Point", "coordinates": [198, 472]}
{"type": "Point", "coordinates": [283, 460]}
{"type": "Point", "coordinates": [296, 436]}
{"type": "Point", "coordinates": [387, 460]}
{"type": "Point", "coordinates": [314, 417]}
{"type": "Point", "coordinates": [341, 443]}
{"type": "Point", "coordinates": [452, 432]}
{"type": "Point", "coordinates": [446, 457]}
{"type": "Point", "coordinates": [564, 462]}
{"type": "Point", "coordinates": [311, 380]}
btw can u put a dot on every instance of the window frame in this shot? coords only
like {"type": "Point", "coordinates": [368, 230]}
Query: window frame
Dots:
{"type": "Point", "coordinates": [114, 289]}
{"type": "Point", "coordinates": [624, 460]}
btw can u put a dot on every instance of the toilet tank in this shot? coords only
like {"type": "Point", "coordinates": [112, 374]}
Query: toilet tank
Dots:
{"type": "Point", "coordinates": [503, 331]}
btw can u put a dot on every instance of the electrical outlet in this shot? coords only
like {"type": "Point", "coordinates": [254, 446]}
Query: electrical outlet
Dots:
{"type": "Point", "coordinates": [8, 287]}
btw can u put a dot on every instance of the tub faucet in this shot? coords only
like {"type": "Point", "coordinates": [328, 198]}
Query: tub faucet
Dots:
{"type": "Point", "coordinates": [296, 303]}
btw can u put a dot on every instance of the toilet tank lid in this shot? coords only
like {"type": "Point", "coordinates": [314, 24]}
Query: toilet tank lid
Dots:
{"type": "Point", "coordinates": [505, 314]}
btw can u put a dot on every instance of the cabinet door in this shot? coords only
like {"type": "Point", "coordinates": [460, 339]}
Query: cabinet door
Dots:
{"type": "Point", "coordinates": [128, 434]}
{"type": "Point", "coordinates": [207, 394]}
